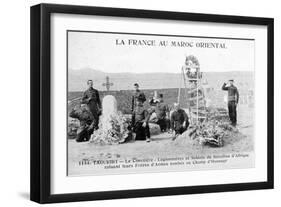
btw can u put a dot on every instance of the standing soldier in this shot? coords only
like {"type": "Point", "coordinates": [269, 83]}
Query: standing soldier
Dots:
{"type": "Point", "coordinates": [162, 110]}
{"type": "Point", "coordinates": [233, 98]}
{"type": "Point", "coordinates": [92, 99]}
{"type": "Point", "coordinates": [141, 126]}
{"type": "Point", "coordinates": [137, 96]}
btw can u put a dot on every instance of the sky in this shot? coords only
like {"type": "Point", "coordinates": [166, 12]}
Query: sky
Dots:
{"type": "Point", "coordinates": [104, 52]}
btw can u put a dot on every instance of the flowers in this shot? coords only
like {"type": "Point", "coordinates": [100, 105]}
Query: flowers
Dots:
{"type": "Point", "coordinates": [113, 129]}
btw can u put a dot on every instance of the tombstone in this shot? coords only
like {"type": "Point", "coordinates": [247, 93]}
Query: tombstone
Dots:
{"type": "Point", "coordinates": [109, 109]}
{"type": "Point", "coordinates": [113, 126]}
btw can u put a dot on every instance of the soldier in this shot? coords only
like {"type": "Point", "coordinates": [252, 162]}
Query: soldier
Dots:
{"type": "Point", "coordinates": [141, 126]}
{"type": "Point", "coordinates": [153, 100]}
{"type": "Point", "coordinates": [92, 99]}
{"type": "Point", "coordinates": [179, 121]}
{"type": "Point", "coordinates": [232, 100]}
{"type": "Point", "coordinates": [162, 111]}
{"type": "Point", "coordinates": [138, 95]}
{"type": "Point", "coordinates": [87, 122]}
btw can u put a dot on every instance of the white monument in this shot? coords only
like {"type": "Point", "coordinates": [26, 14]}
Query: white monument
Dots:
{"type": "Point", "coordinates": [113, 127]}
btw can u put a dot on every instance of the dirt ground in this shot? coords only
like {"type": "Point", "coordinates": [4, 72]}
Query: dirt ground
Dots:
{"type": "Point", "coordinates": [162, 145]}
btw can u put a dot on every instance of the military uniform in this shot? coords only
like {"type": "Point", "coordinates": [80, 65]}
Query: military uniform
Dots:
{"type": "Point", "coordinates": [138, 95]}
{"type": "Point", "coordinates": [141, 115]}
{"type": "Point", "coordinates": [233, 98]}
{"type": "Point", "coordinates": [161, 111]}
{"type": "Point", "coordinates": [92, 99]}
{"type": "Point", "coordinates": [87, 123]}
{"type": "Point", "coordinates": [153, 102]}
{"type": "Point", "coordinates": [177, 119]}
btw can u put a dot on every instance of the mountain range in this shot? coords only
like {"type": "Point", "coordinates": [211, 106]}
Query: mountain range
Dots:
{"type": "Point", "coordinates": [124, 81]}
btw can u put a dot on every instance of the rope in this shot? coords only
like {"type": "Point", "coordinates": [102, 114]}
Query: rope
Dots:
{"type": "Point", "coordinates": [71, 101]}
{"type": "Point", "coordinates": [179, 91]}
{"type": "Point", "coordinates": [185, 86]}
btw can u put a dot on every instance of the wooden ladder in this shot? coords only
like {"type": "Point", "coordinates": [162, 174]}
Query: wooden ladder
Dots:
{"type": "Point", "coordinates": [196, 99]}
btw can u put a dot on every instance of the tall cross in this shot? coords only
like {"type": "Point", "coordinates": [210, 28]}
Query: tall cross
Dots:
{"type": "Point", "coordinates": [107, 84]}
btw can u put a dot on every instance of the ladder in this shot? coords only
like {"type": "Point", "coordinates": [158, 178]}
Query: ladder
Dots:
{"type": "Point", "coordinates": [194, 91]}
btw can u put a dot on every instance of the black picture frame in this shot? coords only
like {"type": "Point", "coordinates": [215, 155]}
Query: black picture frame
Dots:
{"type": "Point", "coordinates": [41, 102]}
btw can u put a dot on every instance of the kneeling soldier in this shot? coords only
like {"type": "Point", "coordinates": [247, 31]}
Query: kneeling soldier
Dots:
{"type": "Point", "coordinates": [141, 127]}
{"type": "Point", "coordinates": [179, 121]}
{"type": "Point", "coordinates": [87, 122]}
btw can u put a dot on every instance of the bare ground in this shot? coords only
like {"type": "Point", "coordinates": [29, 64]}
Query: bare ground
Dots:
{"type": "Point", "coordinates": [162, 145]}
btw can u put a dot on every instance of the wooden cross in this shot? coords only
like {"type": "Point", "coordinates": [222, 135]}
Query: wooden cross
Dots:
{"type": "Point", "coordinates": [107, 84]}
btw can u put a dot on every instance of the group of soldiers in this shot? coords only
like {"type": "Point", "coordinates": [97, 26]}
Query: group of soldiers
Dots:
{"type": "Point", "coordinates": [157, 112]}
{"type": "Point", "coordinates": [174, 121]}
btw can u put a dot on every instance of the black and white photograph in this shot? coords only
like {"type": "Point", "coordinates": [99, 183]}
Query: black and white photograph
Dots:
{"type": "Point", "coordinates": [142, 103]}
{"type": "Point", "coordinates": [131, 103]}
